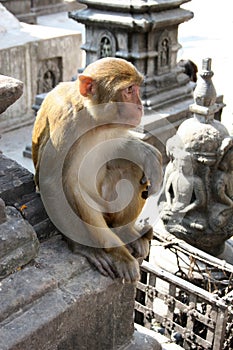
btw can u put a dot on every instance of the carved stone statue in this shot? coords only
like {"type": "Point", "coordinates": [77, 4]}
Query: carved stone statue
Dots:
{"type": "Point", "coordinates": [197, 201]}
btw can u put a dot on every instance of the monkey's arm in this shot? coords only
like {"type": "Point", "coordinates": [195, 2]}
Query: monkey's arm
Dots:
{"type": "Point", "coordinates": [148, 158]}
{"type": "Point", "coordinates": [102, 247]}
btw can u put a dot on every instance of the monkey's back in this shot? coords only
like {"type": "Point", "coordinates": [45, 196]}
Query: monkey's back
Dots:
{"type": "Point", "coordinates": [56, 110]}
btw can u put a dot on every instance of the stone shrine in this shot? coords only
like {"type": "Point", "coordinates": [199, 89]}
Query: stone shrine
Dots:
{"type": "Point", "coordinates": [198, 183]}
{"type": "Point", "coordinates": [145, 33]}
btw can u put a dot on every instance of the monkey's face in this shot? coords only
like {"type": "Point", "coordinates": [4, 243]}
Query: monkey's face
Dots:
{"type": "Point", "coordinates": [131, 110]}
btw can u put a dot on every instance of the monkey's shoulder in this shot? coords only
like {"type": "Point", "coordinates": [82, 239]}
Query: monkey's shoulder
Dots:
{"type": "Point", "coordinates": [63, 97]}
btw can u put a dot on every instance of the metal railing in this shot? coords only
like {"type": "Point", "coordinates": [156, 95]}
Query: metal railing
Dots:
{"type": "Point", "coordinates": [196, 313]}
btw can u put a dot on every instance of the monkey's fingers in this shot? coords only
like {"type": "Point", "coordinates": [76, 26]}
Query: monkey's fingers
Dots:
{"type": "Point", "coordinates": [140, 248]}
{"type": "Point", "coordinates": [143, 180]}
{"type": "Point", "coordinates": [103, 264]}
{"type": "Point", "coordinates": [129, 271]}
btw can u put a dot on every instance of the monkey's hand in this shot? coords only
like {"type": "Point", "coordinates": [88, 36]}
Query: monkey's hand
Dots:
{"type": "Point", "coordinates": [149, 159]}
{"type": "Point", "coordinates": [140, 247]}
{"type": "Point", "coordinates": [152, 168]}
{"type": "Point", "coordinates": [112, 262]}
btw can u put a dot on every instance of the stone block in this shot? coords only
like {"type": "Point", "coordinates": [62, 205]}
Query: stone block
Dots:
{"type": "Point", "coordinates": [10, 90]}
{"type": "Point", "coordinates": [18, 242]}
{"type": "Point", "coordinates": [60, 302]}
{"type": "Point", "coordinates": [15, 181]}
{"type": "Point", "coordinates": [17, 188]}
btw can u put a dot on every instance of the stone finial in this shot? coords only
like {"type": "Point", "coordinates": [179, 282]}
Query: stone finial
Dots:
{"type": "Point", "coordinates": [204, 105]}
{"type": "Point", "coordinates": [205, 93]}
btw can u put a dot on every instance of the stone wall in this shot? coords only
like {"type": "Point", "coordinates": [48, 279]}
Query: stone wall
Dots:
{"type": "Point", "coordinates": [26, 53]}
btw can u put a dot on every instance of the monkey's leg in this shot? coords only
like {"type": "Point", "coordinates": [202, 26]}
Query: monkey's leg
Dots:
{"type": "Point", "coordinates": [139, 239]}
{"type": "Point", "coordinates": [111, 257]}
{"type": "Point", "coordinates": [140, 247]}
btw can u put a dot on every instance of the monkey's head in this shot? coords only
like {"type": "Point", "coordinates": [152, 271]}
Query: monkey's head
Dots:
{"type": "Point", "coordinates": [110, 80]}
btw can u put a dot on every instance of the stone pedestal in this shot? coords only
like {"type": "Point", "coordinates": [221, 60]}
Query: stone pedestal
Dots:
{"type": "Point", "coordinates": [18, 241]}
{"type": "Point", "coordinates": [17, 189]}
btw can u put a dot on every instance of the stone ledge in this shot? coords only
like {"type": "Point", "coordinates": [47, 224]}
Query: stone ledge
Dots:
{"type": "Point", "coordinates": [60, 302]}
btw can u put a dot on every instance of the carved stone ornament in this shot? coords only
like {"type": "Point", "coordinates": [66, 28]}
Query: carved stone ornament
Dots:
{"type": "Point", "coordinates": [164, 53]}
{"type": "Point", "coordinates": [197, 201]}
{"type": "Point", "coordinates": [49, 75]}
{"type": "Point", "coordinates": [107, 45]}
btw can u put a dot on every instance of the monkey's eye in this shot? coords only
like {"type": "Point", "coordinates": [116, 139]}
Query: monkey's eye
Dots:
{"type": "Point", "coordinates": [129, 89]}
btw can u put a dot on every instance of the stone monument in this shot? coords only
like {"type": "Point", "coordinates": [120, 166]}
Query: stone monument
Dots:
{"type": "Point", "coordinates": [197, 203]}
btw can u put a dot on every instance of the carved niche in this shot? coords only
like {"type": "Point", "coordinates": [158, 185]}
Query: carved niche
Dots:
{"type": "Point", "coordinates": [49, 74]}
{"type": "Point", "coordinates": [164, 53]}
{"type": "Point", "coordinates": [106, 45]}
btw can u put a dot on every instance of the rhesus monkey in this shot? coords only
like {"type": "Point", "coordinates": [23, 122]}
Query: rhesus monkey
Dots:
{"type": "Point", "coordinates": [109, 91]}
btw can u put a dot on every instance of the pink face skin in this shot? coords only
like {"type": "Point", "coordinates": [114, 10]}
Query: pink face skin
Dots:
{"type": "Point", "coordinates": [133, 109]}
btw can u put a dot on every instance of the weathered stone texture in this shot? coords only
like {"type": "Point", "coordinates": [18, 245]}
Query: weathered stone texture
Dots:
{"type": "Point", "coordinates": [61, 303]}
{"type": "Point", "coordinates": [15, 181]}
{"type": "Point", "coordinates": [10, 90]}
{"type": "Point", "coordinates": [3, 217]}
{"type": "Point", "coordinates": [17, 189]}
{"type": "Point", "coordinates": [18, 243]}
{"type": "Point", "coordinates": [24, 50]}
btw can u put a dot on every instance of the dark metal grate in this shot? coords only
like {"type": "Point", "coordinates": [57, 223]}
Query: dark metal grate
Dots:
{"type": "Point", "coordinates": [196, 313]}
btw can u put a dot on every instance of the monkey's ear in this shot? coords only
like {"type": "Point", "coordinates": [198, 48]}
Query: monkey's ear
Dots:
{"type": "Point", "coordinates": [86, 86]}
